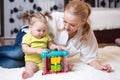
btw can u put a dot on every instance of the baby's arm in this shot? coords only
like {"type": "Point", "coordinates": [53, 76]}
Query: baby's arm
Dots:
{"type": "Point", "coordinates": [28, 50]}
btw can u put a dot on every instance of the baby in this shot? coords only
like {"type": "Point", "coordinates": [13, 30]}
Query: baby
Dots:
{"type": "Point", "coordinates": [35, 42]}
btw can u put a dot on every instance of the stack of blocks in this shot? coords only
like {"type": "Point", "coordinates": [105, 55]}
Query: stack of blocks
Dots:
{"type": "Point", "coordinates": [54, 61]}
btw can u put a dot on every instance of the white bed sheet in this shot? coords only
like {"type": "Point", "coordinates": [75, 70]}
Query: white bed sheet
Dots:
{"type": "Point", "coordinates": [109, 54]}
{"type": "Point", "coordinates": [105, 18]}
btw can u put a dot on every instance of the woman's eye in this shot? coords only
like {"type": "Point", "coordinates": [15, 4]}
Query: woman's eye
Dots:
{"type": "Point", "coordinates": [65, 22]}
{"type": "Point", "coordinates": [72, 25]}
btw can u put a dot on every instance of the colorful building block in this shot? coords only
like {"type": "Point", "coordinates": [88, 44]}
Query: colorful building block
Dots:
{"type": "Point", "coordinates": [54, 61]}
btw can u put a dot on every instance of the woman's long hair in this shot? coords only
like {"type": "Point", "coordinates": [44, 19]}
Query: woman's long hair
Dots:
{"type": "Point", "coordinates": [82, 10]}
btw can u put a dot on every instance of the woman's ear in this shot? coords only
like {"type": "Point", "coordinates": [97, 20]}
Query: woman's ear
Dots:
{"type": "Point", "coordinates": [83, 21]}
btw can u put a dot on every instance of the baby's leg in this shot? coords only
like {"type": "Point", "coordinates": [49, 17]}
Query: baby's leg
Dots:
{"type": "Point", "coordinates": [30, 69]}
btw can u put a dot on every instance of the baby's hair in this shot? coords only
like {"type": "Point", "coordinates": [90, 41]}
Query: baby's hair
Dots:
{"type": "Point", "coordinates": [31, 18]}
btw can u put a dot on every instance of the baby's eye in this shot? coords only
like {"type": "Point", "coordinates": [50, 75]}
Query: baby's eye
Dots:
{"type": "Point", "coordinates": [38, 30]}
{"type": "Point", "coordinates": [44, 30]}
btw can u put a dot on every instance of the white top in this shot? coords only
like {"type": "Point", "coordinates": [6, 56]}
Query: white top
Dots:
{"type": "Point", "coordinates": [87, 49]}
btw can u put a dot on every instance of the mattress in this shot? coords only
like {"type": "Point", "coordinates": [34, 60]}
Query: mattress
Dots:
{"type": "Point", "coordinates": [108, 55]}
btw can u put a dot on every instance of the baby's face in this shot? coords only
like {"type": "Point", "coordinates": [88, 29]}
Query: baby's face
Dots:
{"type": "Point", "coordinates": [38, 29]}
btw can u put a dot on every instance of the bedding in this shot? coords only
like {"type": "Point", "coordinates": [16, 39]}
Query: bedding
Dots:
{"type": "Point", "coordinates": [81, 71]}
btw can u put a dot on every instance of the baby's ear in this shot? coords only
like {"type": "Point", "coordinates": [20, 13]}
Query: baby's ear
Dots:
{"type": "Point", "coordinates": [30, 26]}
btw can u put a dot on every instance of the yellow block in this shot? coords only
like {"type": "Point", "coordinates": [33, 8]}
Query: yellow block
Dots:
{"type": "Point", "coordinates": [55, 60]}
{"type": "Point", "coordinates": [58, 59]}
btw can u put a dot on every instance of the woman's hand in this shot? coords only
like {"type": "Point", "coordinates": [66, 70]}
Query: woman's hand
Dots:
{"type": "Point", "coordinates": [106, 67]}
{"type": "Point", "coordinates": [53, 46]}
{"type": "Point", "coordinates": [56, 47]}
{"type": "Point", "coordinates": [61, 48]}
{"type": "Point", "coordinates": [96, 64]}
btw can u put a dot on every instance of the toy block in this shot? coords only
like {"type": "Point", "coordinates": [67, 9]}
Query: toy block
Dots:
{"type": "Point", "coordinates": [54, 61]}
{"type": "Point", "coordinates": [55, 68]}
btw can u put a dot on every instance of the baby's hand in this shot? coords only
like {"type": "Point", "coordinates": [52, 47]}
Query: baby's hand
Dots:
{"type": "Point", "coordinates": [39, 50]}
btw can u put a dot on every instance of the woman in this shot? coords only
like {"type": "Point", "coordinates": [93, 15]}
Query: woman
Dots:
{"type": "Point", "coordinates": [76, 34]}
{"type": "Point", "coordinates": [72, 30]}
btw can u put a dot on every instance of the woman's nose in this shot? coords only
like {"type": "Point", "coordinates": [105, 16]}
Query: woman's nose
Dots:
{"type": "Point", "coordinates": [66, 26]}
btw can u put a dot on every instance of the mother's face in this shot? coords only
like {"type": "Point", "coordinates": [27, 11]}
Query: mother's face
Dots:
{"type": "Point", "coordinates": [72, 22]}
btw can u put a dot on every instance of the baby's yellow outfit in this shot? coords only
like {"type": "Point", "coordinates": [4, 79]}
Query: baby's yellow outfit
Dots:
{"type": "Point", "coordinates": [35, 43]}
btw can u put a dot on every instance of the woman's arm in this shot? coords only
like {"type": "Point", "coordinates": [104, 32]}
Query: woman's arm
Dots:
{"type": "Point", "coordinates": [89, 54]}
{"type": "Point", "coordinates": [96, 64]}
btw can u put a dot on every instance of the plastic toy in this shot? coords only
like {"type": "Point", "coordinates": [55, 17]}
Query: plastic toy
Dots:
{"type": "Point", "coordinates": [54, 61]}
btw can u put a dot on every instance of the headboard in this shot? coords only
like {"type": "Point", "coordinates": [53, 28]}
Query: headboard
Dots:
{"type": "Point", "coordinates": [106, 24]}
{"type": "Point", "coordinates": [105, 18]}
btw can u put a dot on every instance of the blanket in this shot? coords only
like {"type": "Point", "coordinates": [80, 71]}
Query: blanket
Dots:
{"type": "Point", "coordinates": [81, 71]}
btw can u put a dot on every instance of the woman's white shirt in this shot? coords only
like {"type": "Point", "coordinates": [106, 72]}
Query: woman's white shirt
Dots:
{"type": "Point", "coordinates": [87, 49]}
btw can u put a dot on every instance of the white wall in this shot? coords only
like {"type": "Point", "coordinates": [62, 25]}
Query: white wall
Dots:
{"type": "Point", "coordinates": [23, 6]}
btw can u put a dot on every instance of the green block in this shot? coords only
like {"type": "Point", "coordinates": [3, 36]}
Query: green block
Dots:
{"type": "Point", "coordinates": [55, 68]}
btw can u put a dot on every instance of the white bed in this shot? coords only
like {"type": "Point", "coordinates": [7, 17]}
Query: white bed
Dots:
{"type": "Point", "coordinates": [106, 24]}
{"type": "Point", "coordinates": [108, 54]}
{"type": "Point", "coordinates": [105, 18]}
